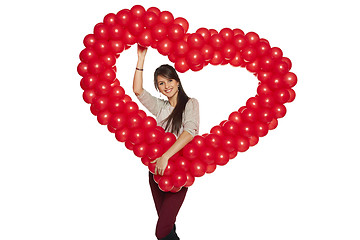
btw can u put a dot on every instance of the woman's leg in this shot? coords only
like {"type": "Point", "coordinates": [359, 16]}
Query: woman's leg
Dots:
{"type": "Point", "coordinates": [167, 215]}
{"type": "Point", "coordinates": [157, 194]}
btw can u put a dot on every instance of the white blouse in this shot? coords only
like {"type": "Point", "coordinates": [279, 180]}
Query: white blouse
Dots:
{"type": "Point", "coordinates": [161, 109]}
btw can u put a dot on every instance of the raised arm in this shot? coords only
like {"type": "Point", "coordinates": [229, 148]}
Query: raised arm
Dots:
{"type": "Point", "coordinates": [138, 76]}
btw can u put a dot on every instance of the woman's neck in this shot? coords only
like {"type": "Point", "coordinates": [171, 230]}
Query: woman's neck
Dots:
{"type": "Point", "coordinates": [173, 99]}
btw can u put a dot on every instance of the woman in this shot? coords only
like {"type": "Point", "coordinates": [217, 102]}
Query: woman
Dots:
{"type": "Point", "coordinates": [179, 115]}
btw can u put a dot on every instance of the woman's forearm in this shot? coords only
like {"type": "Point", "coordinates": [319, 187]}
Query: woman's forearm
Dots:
{"type": "Point", "coordinates": [138, 77]}
{"type": "Point", "coordinates": [184, 138]}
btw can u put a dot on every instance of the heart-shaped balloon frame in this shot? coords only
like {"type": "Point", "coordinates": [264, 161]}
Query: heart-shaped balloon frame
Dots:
{"type": "Point", "coordinates": [140, 133]}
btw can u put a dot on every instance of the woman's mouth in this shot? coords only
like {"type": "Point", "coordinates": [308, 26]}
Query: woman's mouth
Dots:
{"type": "Point", "coordinates": [168, 90]}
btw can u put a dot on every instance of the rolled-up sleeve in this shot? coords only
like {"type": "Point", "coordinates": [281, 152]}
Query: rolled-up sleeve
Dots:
{"type": "Point", "coordinates": [153, 104]}
{"type": "Point", "coordinates": [192, 117]}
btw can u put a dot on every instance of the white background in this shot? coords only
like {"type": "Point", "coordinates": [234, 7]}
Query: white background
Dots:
{"type": "Point", "coordinates": [64, 176]}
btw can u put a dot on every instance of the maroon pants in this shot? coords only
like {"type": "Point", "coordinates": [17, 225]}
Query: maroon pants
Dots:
{"type": "Point", "coordinates": [167, 205]}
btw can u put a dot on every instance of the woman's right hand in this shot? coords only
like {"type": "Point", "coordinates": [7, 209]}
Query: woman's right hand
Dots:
{"type": "Point", "coordinates": [141, 51]}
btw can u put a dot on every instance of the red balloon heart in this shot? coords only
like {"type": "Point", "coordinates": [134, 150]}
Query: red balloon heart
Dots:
{"type": "Point", "coordinates": [158, 29]}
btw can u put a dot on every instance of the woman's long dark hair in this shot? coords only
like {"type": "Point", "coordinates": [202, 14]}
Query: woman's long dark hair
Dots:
{"type": "Point", "coordinates": [175, 118]}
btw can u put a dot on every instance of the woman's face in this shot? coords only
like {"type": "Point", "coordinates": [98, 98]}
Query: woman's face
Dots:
{"type": "Point", "coordinates": [168, 87]}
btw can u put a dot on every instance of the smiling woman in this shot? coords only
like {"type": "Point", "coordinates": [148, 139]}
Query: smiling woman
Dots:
{"type": "Point", "coordinates": [178, 115]}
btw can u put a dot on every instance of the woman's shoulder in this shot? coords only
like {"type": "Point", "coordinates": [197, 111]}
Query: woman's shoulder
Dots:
{"type": "Point", "coordinates": [192, 103]}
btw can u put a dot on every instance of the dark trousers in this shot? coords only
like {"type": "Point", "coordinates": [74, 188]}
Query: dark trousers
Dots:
{"type": "Point", "coordinates": [167, 205]}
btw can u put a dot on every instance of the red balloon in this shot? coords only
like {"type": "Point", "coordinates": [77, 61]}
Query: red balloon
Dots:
{"type": "Point", "coordinates": [217, 130]}
{"type": "Point", "coordinates": [217, 41]}
{"type": "Point", "coordinates": [231, 128]}
{"type": "Point", "coordinates": [249, 114]}
{"type": "Point", "coordinates": [149, 122]}
{"type": "Point", "coordinates": [101, 103]}
{"type": "Point", "coordinates": [221, 157]}
{"type": "Point", "coordinates": [179, 178]}
{"type": "Point", "coordinates": [246, 129]}
{"type": "Point", "coordinates": [240, 42]}
{"type": "Point", "coordinates": [123, 17]}
{"type": "Point", "coordinates": [116, 105]}
{"type": "Point", "coordinates": [170, 169]}
{"type": "Point", "coordinates": [145, 160]}
{"type": "Point", "coordinates": [210, 168]}
{"type": "Point", "coordinates": [195, 40]}
{"type": "Point", "coordinates": [273, 124]}
{"type": "Point", "coordinates": [88, 82]}
{"type": "Point", "coordinates": [95, 67]}
{"type": "Point", "coordinates": [168, 140]}
{"type": "Point", "coordinates": [266, 63]}
{"type": "Point", "coordinates": [150, 19]}
{"type": "Point", "coordinates": [253, 66]}
{"type": "Point", "coordinates": [279, 110]}
{"type": "Point", "coordinates": [134, 121]}
{"type": "Point", "coordinates": [197, 168]}
{"type": "Point", "coordinates": [266, 100]}
{"type": "Point", "coordinates": [229, 51]}
{"type": "Point", "coordinates": [154, 10]}
{"type": "Point", "coordinates": [205, 33]}
{"type": "Point", "coordinates": [155, 151]}
{"type": "Point", "coordinates": [165, 46]}
{"type": "Point", "coordinates": [289, 79]}
{"type": "Point", "coordinates": [153, 135]}
{"type": "Point", "coordinates": [118, 46]}
{"type": "Point", "coordinates": [265, 115]}
{"type": "Point", "coordinates": [101, 31]}
{"type": "Point", "coordinates": [181, 48]}
{"type": "Point", "coordinates": [102, 47]}
{"type": "Point", "coordinates": [261, 129]}
{"type": "Point", "coordinates": [87, 55]}
{"type": "Point", "coordinates": [292, 95]}
{"type": "Point", "coordinates": [118, 120]}
{"type": "Point", "coordinates": [207, 52]}
{"type": "Point", "coordinates": [108, 75]}
{"type": "Point", "coordinates": [190, 151]}
{"type": "Point", "coordinates": [235, 117]}
{"type": "Point", "coordinates": [207, 155]}
{"type": "Point", "coordinates": [181, 65]}
{"type": "Point", "coordinates": [237, 61]}
{"type": "Point", "coordinates": [89, 40]}
{"type": "Point", "coordinates": [117, 92]}
{"type": "Point", "coordinates": [276, 53]}
{"type": "Point", "coordinates": [213, 140]}
{"type": "Point", "coordinates": [89, 95]}
{"type": "Point", "coordinates": [252, 38]}
{"type": "Point", "coordinates": [136, 27]}
{"type": "Point", "coordinates": [262, 48]}
{"type": "Point", "coordinates": [194, 57]}
{"type": "Point", "coordinates": [183, 23]}
{"type": "Point", "coordinates": [175, 32]}
{"type": "Point", "coordinates": [199, 142]}
{"type": "Point", "coordinates": [249, 54]}
{"type": "Point", "coordinates": [140, 150]}
{"type": "Point", "coordinates": [159, 31]}
{"type": "Point", "coordinates": [241, 144]}
{"type": "Point", "coordinates": [228, 143]}
{"type": "Point", "coordinates": [137, 11]}
{"type": "Point", "coordinates": [253, 140]}
{"type": "Point", "coordinates": [227, 34]}
{"type": "Point", "coordinates": [122, 134]}
{"type": "Point", "coordinates": [217, 58]}
{"type": "Point", "coordinates": [282, 96]}
{"type": "Point", "coordinates": [131, 107]}
{"type": "Point", "coordinates": [145, 39]}
{"type": "Point", "coordinates": [104, 117]}
{"type": "Point", "coordinates": [190, 179]}
{"type": "Point", "coordinates": [182, 163]}
{"type": "Point", "coordinates": [165, 184]}
{"type": "Point", "coordinates": [166, 17]}
{"type": "Point", "coordinates": [116, 32]}
{"type": "Point", "coordinates": [129, 38]}
{"type": "Point", "coordinates": [110, 19]}
{"type": "Point", "coordinates": [109, 60]}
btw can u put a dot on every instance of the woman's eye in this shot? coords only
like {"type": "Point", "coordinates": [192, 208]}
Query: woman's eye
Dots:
{"type": "Point", "coordinates": [161, 83]}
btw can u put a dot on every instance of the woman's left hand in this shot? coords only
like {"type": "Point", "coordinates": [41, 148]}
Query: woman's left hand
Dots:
{"type": "Point", "coordinates": [161, 164]}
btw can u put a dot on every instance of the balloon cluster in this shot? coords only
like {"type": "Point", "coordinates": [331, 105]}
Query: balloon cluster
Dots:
{"type": "Point", "coordinates": [140, 133]}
